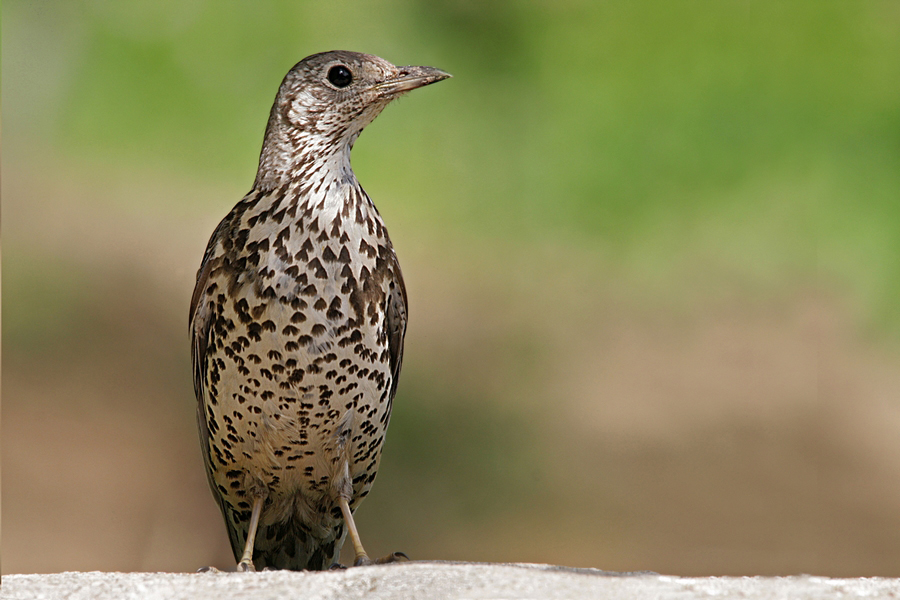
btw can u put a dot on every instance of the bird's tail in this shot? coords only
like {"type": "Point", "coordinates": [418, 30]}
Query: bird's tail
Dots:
{"type": "Point", "coordinates": [289, 544]}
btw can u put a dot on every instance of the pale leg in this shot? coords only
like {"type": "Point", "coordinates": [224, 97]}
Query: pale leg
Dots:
{"type": "Point", "coordinates": [246, 563]}
{"type": "Point", "coordinates": [361, 557]}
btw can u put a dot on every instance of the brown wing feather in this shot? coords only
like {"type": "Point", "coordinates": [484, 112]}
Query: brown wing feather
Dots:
{"type": "Point", "coordinates": [396, 324]}
{"type": "Point", "coordinates": [200, 323]}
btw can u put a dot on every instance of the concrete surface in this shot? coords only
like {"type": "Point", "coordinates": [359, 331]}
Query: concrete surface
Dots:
{"type": "Point", "coordinates": [433, 580]}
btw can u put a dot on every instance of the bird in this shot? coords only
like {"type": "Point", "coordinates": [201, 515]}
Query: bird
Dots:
{"type": "Point", "coordinates": [297, 323]}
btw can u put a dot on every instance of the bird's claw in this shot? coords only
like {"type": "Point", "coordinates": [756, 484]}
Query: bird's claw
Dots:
{"type": "Point", "coordinates": [392, 558]}
{"type": "Point", "coordinates": [384, 560]}
{"type": "Point", "coordinates": [245, 567]}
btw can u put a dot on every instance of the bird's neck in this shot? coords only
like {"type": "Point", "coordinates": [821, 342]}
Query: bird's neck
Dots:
{"type": "Point", "coordinates": [311, 174]}
{"type": "Point", "coordinates": [290, 155]}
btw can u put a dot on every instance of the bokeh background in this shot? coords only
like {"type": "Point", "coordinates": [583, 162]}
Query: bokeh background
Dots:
{"type": "Point", "coordinates": [652, 251]}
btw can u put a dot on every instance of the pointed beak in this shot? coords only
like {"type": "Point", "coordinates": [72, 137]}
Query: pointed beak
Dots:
{"type": "Point", "coordinates": [409, 78]}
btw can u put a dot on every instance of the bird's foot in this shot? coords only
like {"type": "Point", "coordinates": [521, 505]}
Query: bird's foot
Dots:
{"type": "Point", "coordinates": [337, 567]}
{"type": "Point", "coordinates": [390, 558]}
{"type": "Point", "coordinates": [208, 570]}
{"type": "Point", "coordinates": [245, 566]}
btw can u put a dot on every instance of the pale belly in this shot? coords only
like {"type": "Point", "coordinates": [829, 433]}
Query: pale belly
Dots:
{"type": "Point", "coordinates": [298, 403]}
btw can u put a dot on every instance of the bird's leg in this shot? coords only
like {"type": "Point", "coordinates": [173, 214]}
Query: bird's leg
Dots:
{"type": "Point", "coordinates": [361, 557]}
{"type": "Point", "coordinates": [246, 563]}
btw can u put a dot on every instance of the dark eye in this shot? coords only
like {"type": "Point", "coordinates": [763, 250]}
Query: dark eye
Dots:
{"type": "Point", "coordinates": [340, 76]}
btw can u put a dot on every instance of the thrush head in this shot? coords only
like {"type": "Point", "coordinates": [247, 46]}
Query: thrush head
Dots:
{"type": "Point", "coordinates": [326, 100]}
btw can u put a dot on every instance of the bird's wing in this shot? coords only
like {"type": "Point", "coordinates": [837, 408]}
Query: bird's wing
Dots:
{"type": "Point", "coordinates": [201, 321]}
{"type": "Point", "coordinates": [396, 323]}
{"type": "Point", "coordinates": [200, 318]}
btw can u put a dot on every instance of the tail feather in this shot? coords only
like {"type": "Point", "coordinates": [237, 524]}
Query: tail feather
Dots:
{"type": "Point", "coordinates": [288, 544]}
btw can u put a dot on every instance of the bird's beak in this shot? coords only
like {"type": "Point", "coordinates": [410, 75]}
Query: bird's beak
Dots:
{"type": "Point", "coordinates": [409, 78]}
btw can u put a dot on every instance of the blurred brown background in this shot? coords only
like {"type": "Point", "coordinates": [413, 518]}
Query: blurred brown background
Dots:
{"type": "Point", "coordinates": [653, 259]}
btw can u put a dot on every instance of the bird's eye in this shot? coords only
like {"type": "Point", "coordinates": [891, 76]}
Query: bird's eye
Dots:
{"type": "Point", "coordinates": [340, 76]}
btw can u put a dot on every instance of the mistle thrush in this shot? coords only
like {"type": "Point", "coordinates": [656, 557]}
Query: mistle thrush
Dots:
{"type": "Point", "coordinates": [297, 324]}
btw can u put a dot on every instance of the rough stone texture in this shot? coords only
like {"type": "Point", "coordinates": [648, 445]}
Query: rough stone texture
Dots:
{"type": "Point", "coordinates": [427, 580]}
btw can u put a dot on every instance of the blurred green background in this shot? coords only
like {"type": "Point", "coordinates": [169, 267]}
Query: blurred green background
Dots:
{"type": "Point", "coordinates": [652, 251]}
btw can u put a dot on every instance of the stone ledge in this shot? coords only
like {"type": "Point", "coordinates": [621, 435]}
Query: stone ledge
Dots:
{"type": "Point", "coordinates": [433, 580]}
